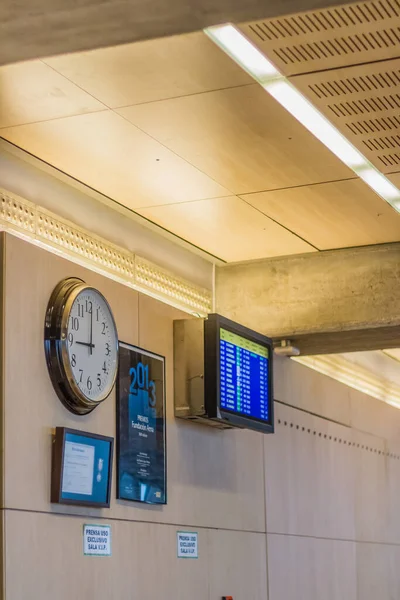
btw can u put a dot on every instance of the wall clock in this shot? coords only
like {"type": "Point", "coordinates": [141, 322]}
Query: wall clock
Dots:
{"type": "Point", "coordinates": [81, 345]}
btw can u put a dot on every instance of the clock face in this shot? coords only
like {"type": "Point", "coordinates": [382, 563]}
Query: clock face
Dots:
{"type": "Point", "coordinates": [92, 345]}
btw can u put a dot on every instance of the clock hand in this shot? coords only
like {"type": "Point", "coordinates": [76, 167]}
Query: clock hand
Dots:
{"type": "Point", "coordinates": [91, 331]}
{"type": "Point", "coordinates": [85, 344]}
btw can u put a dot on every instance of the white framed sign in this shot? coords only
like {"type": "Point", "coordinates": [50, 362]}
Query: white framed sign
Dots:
{"type": "Point", "coordinates": [97, 540]}
{"type": "Point", "coordinates": [187, 544]}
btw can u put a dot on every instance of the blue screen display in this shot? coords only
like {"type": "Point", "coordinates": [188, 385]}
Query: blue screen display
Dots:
{"type": "Point", "coordinates": [85, 469]}
{"type": "Point", "coordinates": [244, 376]}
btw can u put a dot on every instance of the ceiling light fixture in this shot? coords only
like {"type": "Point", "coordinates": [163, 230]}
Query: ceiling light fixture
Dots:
{"type": "Point", "coordinates": [234, 43]}
{"type": "Point", "coordinates": [241, 50]}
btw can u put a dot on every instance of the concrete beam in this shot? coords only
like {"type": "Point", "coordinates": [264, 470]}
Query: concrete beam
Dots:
{"type": "Point", "coordinates": [327, 302]}
{"type": "Point", "coordinates": [37, 28]}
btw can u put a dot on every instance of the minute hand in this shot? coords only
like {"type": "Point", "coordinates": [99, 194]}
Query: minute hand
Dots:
{"type": "Point", "coordinates": [91, 331]}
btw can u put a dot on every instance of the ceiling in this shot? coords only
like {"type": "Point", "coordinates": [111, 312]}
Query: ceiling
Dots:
{"type": "Point", "coordinates": [175, 131]}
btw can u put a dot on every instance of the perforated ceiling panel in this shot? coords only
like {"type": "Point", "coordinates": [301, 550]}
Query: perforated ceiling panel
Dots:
{"type": "Point", "coordinates": [330, 38]}
{"type": "Point", "coordinates": [364, 103]}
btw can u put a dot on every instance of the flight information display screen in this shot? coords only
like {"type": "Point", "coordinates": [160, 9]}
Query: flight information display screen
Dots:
{"type": "Point", "coordinates": [244, 372]}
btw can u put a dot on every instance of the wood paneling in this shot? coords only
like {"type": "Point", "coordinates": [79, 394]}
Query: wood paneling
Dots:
{"type": "Point", "coordinates": [237, 565]}
{"type": "Point", "coordinates": [228, 228]}
{"type": "Point", "coordinates": [377, 571]}
{"type": "Point", "coordinates": [305, 389]}
{"type": "Point", "coordinates": [202, 490]}
{"type": "Point", "coordinates": [301, 568]}
{"type": "Point", "coordinates": [143, 563]}
{"type": "Point", "coordinates": [151, 70]}
{"type": "Point", "coordinates": [109, 154]}
{"type": "Point", "coordinates": [332, 215]}
{"type": "Point", "coordinates": [32, 91]}
{"type": "Point", "coordinates": [313, 479]}
{"type": "Point", "coordinates": [240, 137]}
{"type": "Point", "coordinates": [31, 405]}
{"type": "Point", "coordinates": [370, 471]}
{"type": "Point", "coordinates": [310, 475]}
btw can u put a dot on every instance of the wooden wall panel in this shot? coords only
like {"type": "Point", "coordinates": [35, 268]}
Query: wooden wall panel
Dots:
{"type": "Point", "coordinates": [309, 476]}
{"type": "Point", "coordinates": [371, 489]}
{"type": "Point", "coordinates": [47, 552]}
{"type": "Point", "coordinates": [325, 486]}
{"type": "Point", "coordinates": [237, 565]}
{"type": "Point", "coordinates": [210, 483]}
{"type": "Point", "coordinates": [32, 408]}
{"type": "Point", "coordinates": [299, 386]}
{"type": "Point", "coordinates": [377, 571]}
{"type": "Point", "coordinates": [143, 564]}
{"type": "Point", "coordinates": [304, 568]}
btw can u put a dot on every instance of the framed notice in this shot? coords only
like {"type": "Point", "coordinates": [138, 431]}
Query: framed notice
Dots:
{"type": "Point", "coordinates": [141, 452]}
{"type": "Point", "coordinates": [81, 468]}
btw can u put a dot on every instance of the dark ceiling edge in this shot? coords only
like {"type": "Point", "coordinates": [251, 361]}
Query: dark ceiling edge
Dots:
{"type": "Point", "coordinates": [57, 27]}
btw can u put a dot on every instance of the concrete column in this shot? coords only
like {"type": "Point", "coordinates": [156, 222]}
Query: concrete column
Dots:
{"type": "Point", "coordinates": [327, 302]}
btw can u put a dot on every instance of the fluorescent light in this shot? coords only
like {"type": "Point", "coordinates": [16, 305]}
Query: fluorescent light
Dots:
{"type": "Point", "coordinates": [242, 51]}
{"type": "Point", "coordinates": [295, 103]}
{"type": "Point", "coordinates": [393, 403]}
{"type": "Point", "coordinates": [381, 185]}
{"type": "Point", "coordinates": [342, 369]}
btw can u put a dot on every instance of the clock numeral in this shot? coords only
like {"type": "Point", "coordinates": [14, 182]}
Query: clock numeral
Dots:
{"type": "Point", "coordinates": [89, 384]}
{"type": "Point", "coordinates": [108, 349]}
{"type": "Point", "coordinates": [104, 367]}
{"type": "Point", "coordinates": [97, 314]}
{"type": "Point", "coordinates": [89, 307]}
{"type": "Point", "coordinates": [80, 310]}
{"type": "Point", "coordinates": [73, 360]}
{"type": "Point", "coordinates": [81, 377]}
{"type": "Point", "coordinates": [104, 328]}
{"type": "Point", "coordinates": [75, 323]}
{"type": "Point", "coordinates": [70, 338]}
{"type": "Point", "coordinates": [98, 380]}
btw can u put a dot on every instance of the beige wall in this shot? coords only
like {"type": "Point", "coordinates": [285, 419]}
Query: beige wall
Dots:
{"type": "Point", "coordinates": [326, 492]}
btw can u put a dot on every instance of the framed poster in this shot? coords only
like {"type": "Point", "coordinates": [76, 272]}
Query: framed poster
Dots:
{"type": "Point", "coordinates": [81, 468]}
{"type": "Point", "coordinates": [141, 448]}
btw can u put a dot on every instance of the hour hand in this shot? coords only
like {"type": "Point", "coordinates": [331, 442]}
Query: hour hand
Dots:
{"type": "Point", "coordinates": [88, 344]}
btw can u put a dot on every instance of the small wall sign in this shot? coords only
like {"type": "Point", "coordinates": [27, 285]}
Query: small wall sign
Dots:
{"type": "Point", "coordinates": [97, 540]}
{"type": "Point", "coordinates": [187, 544]}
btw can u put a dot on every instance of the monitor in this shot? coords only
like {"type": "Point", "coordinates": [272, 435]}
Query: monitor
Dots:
{"type": "Point", "coordinates": [238, 375]}
{"type": "Point", "coordinates": [81, 468]}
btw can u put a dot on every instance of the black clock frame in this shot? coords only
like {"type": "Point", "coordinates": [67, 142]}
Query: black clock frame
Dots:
{"type": "Point", "coordinates": [56, 346]}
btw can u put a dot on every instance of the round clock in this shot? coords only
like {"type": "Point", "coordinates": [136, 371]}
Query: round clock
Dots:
{"type": "Point", "coordinates": [81, 345]}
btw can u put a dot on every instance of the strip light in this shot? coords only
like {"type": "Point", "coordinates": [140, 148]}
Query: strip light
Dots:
{"type": "Point", "coordinates": [359, 378]}
{"type": "Point", "coordinates": [232, 41]}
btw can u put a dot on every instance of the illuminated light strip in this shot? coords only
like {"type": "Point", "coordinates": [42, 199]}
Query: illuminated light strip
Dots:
{"type": "Point", "coordinates": [339, 368]}
{"type": "Point", "coordinates": [234, 43]}
{"type": "Point", "coordinates": [59, 236]}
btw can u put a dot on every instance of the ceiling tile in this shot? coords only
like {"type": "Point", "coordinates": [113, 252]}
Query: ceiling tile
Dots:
{"type": "Point", "coordinates": [364, 103]}
{"type": "Point", "coordinates": [227, 228]}
{"type": "Point", "coordinates": [109, 154]}
{"type": "Point", "coordinates": [240, 137]}
{"type": "Point", "coordinates": [316, 40]}
{"type": "Point", "coordinates": [332, 215]}
{"type": "Point", "coordinates": [151, 70]}
{"type": "Point", "coordinates": [395, 354]}
{"type": "Point", "coordinates": [32, 91]}
{"type": "Point", "coordinates": [394, 178]}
